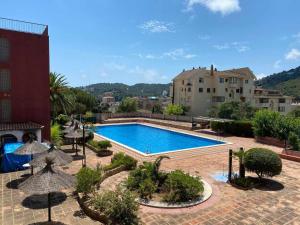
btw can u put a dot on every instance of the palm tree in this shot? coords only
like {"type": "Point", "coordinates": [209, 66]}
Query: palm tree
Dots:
{"type": "Point", "coordinates": [59, 97]}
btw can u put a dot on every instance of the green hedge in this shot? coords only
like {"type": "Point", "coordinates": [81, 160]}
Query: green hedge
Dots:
{"type": "Point", "coordinates": [238, 128]}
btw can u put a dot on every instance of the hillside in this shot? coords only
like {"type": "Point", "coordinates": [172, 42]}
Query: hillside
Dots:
{"type": "Point", "coordinates": [120, 90]}
{"type": "Point", "coordinates": [287, 81]}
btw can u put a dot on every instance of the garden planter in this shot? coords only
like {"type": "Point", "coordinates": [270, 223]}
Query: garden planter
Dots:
{"type": "Point", "coordinates": [104, 152]}
{"type": "Point", "coordinates": [290, 155]}
{"type": "Point", "coordinates": [270, 141]}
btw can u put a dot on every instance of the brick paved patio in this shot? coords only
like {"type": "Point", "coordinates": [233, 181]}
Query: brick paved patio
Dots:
{"type": "Point", "coordinates": [277, 204]}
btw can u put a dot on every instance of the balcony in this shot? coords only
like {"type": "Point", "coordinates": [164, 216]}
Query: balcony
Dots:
{"type": "Point", "coordinates": [22, 26]}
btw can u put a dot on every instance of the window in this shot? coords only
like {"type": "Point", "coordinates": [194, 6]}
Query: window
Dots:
{"type": "Point", "coordinates": [226, 80]}
{"type": "Point", "coordinates": [281, 100]}
{"type": "Point", "coordinates": [4, 50]}
{"type": "Point", "coordinates": [250, 91]}
{"type": "Point", "coordinates": [246, 81]}
{"type": "Point", "coordinates": [218, 99]}
{"type": "Point", "coordinates": [221, 79]}
{"type": "Point", "coordinates": [241, 90]}
{"type": "Point", "coordinates": [281, 109]}
{"type": "Point", "coordinates": [201, 80]}
{"type": "Point", "coordinates": [182, 81]}
{"type": "Point", "coordinates": [237, 90]}
{"type": "Point", "coordinates": [189, 89]}
{"type": "Point", "coordinates": [226, 89]}
{"type": "Point", "coordinates": [214, 90]}
{"type": "Point", "coordinates": [232, 80]}
{"type": "Point", "coordinates": [208, 90]}
{"type": "Point", "coordinates": [4, 80]}
{"type": "Point", "coordinates": [200, 90]}
{"type": "Point", "coordinates": [181, 89]}
{"type": "Point", "coordinates": [5, 110]}
{"type": "Point", "coordinates": [263, 100]}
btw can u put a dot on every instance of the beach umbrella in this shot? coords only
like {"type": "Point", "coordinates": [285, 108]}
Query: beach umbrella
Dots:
{"type": "Point", "coordinates": [47, 181]}
{"type": "Point", "coordinates": [60, 158]}
{"type": "Point", "coordinates": [31, 147]}
{"type": "Point", "coordinates": [75, 135]}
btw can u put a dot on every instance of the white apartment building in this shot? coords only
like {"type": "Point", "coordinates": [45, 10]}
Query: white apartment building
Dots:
{"type": "Point", "coordinates": [201, 89]}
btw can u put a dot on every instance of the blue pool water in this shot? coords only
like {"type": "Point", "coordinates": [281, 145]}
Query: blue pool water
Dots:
{"type": "Point", "coordinates": [151, 140]}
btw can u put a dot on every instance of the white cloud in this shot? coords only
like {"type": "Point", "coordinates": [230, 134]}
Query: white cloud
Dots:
{"type": "Point", "coordinates": [204, 37]}
{"type": "Point", "coordinates": [222, 47]}
{"type": "Point", "coordinates": [149, 75]}
{"type": "Point", "coordinates": [238, 46]}
{"type": "Point", "coordinates": [297, 36]}
{"type": "Point", "coordinates": [294, 54]}
{"type": "Point", "coordinates": [261, 75]}
{"type": "Point", "coordinates": [155, 26]}
{"type": "Point", "coordinates": [175, 54]}
{"type": "Point", "coordinates": [223, 6]}
{"type": "Point", "coordinates": [277, 64]}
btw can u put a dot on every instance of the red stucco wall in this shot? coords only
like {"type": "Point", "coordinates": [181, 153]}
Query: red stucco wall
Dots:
{"type": "Point", "coordinates": [29, 70]}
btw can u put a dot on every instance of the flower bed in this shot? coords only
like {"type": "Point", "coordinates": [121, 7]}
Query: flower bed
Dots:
{"type": "Point", "coordinates": [270, 141]}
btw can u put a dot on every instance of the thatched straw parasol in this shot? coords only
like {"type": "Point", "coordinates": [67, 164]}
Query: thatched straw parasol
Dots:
{"type": "Point", "coordinates": [46, 181]}
{"type": "Point", "coordinates": [75, 135]}
{"type": "Point", "coordinates": [60, 158]}
{"type": "Point", "coordinates": [31, 147]}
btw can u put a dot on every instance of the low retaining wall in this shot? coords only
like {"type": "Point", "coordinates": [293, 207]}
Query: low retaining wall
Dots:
{"type": "Point", "coordinates": [83, 201]}
{"type": "Point", "coordinates": [270, 141]}
{"type": "Point", "coordinates": [290, 155]}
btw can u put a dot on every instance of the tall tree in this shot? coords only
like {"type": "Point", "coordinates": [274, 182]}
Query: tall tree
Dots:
{"type": "Point", "coordinates": [60, 100]}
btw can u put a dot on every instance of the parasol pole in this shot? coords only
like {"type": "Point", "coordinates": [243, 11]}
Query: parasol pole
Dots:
{"type": "Point", "coordinates": [49, 207]}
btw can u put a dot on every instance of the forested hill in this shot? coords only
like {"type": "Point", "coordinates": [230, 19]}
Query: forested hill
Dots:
{"type": "Point", "coordinates": [287, 81]}
{"type": "Point", "coordinates": [120, 90]}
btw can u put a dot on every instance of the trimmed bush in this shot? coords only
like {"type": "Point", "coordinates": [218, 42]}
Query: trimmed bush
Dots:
{"type": "Point", "coordinates": [121, 159]}
{"type": "Point", "coordinates": [181, 187]}
{"type": "Point", "coordinates": [86, 178]}
{"type": "Point", "coordinates": [104, 145]}
{"type": "Point", "coordinates": [294, 141]}
{"type": "Point", "coordinates": [238, 128]}
{"type": "Point", "coordinates": [120, 206]}
{"type": "Point", "coordinates": [263, 162]}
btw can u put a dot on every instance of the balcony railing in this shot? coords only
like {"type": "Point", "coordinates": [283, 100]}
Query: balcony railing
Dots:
{"type": "Point", "coordinates": [22, 26]}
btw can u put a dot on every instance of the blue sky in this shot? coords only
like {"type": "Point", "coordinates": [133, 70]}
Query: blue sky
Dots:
{"type": "Point", "coordinates": [151, 41]}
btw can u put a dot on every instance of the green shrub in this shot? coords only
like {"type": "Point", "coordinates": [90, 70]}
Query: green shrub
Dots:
{"type": "Point", "coordinates": [181, 187]}
{"type": "Point", "coordinates": [137, 176]}
{"type": "Point", "coordinates": [122, 159]}
{"type": "Point", "coordinates": [56, 134]}
{"type": "Point", "coordinates": [128, 105]}
{"type": "Point", "coordinates": [294, 141]}
{"type": "Point", "coordinates": [62, 119]}
{"type": "Point", "coordinates": [263, 162]}
{"type": "Point", "coordinates": [93, 143]}
{"type": "Point", "coordinates": [238, 128]}
{"type": "Point", "coordinates": [244, 182]}
{"type": "Point", "coordinates": [146, 188]}
{"type": "Point", "coordinates": [120, 206]}
{"type": "Point", "coordinates": [265, 123]}
{"type": "Point", "coordinates": [104, 144]}
{"type": "Point", "coordinates": [236, 111]}
{"type": "Point", "coordinates": [86, 178]}
{"type": "Point", "coordinates": [174, 109]}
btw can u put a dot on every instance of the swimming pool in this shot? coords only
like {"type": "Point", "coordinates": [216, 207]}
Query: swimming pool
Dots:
{"type": "Point", "coordinates": [152, 140]}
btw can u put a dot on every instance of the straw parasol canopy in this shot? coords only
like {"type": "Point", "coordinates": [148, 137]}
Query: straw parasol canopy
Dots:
{"type": "Point", "coordinates": [75, 134]}
{"type": "Point", "coordinates": [46, 181]}
{"type": "Point", "coordinates": [31, 148]}
{"type": "Point", "coordinates": [59, 158]}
